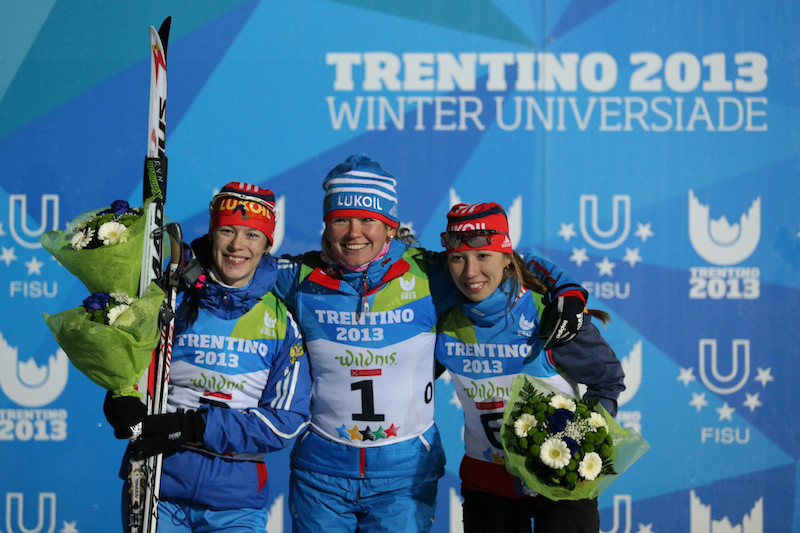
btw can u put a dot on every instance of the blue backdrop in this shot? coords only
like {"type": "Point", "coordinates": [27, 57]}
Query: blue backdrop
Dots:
{"type": "Point", "coordinates": [650, 148]}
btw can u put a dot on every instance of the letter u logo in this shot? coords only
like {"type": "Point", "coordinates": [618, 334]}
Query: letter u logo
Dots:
{"type": "Point", "coordinates": [46, 499]}
{"type": "Point", "coordinates": [613, 237]}
{"type": "Point", "coordinates": [47, 218]}
{"type": "Point", "coordinates": [622, 507]}
{"type": "Point", "coordinates": [739, 346]}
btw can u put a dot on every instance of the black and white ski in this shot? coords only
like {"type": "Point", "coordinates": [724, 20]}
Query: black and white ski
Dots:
{"type": "Point", "coordinates": [145, 474]}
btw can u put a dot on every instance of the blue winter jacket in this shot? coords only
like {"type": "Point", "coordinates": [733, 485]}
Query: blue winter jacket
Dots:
{"type": "Point", "coordinates": [242, 363]}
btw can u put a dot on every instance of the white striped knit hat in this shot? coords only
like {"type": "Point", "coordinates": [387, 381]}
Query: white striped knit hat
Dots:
{"type": "Point", "coordinates": [360, 187]}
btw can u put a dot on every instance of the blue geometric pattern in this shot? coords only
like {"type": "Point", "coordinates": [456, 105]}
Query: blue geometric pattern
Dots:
{"type": "Point", "coordinates": [649, 148]}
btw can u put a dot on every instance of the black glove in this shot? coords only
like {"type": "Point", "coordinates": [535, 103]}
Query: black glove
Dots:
{"type": "Point", "coordinates": [122, 413]}
{"type": "Point", "coordinates": [163, 433]}
{"type": "Point", "coordinates": [562, 317]}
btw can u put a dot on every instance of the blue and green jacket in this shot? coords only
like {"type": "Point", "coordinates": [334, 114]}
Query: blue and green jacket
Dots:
{"type": "Point", "coordinates": [242, 364]}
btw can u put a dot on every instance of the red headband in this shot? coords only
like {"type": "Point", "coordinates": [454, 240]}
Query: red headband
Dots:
{"type": "Point", "coordinates": [241, 204]}
{"type": "Point", "coordinates": [481, 226]}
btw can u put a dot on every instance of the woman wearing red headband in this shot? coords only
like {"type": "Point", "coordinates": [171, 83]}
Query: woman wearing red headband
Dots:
{"type": "Point", "coordinates": [239, 383]}
{"type": "Point", "coordinates": [500, 307]}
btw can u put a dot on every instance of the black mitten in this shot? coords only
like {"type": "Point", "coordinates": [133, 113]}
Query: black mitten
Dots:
{"type": "Point", "coordinates": [163, 433]}
{"type": "Point", "coordinates": [562, 317]}
{"type": "Point", "coordinates": [123, 412]}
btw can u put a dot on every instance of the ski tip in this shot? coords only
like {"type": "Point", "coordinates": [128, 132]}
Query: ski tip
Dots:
{"type": "Point", "coordinates": [163, 33]}
{"type": "Point", "coordinates": [164, 29]}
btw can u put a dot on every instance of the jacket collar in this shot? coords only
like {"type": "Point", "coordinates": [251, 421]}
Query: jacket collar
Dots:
{"type": "Point", "coordinates": [391, 266]}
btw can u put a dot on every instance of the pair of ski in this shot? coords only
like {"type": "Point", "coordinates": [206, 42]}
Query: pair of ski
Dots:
{"type": "Point", "coordinates": [145, 474]}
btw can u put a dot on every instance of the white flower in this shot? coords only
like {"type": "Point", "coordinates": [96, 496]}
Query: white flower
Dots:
{"type": "Point", "coordinates": [554, 453]}
{"type": "Point", "coordinates": [110, 232]}
{"type": "Point", "coordinates": [590, 466]}
{"type": "Point", "coordinates": [523, 424]}
{"type": "Point", "coordinates": [596, 420]}
{"type": "Point", "coordinates": [121, 297]}
{"type": "Point", "coordinates": [114, 312]}
{"type": "Point", "coordinates": [561, 402]}
{"type": "Point", "coordinates": [80, 240]}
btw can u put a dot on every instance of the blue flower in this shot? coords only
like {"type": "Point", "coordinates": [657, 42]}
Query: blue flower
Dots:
{"type": "Point", "coordinates": [558, 420]}
{"type": "Point", "coordinates": [571, 444]}
{"type": "Point", "coordinates": [96, 302]}
{"type": "Point", "coordinates": [118, 207]}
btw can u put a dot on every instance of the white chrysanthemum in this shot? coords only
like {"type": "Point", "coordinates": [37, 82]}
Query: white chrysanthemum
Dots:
{"type": "Point", "coordinates": [80, 240]}
{"type": "Point", "coordinates": [554, 453]}
{"type": "Point", "coordinates": [114, 312]}
{"type": "Point", "coordinates": [121, 297]}
{"type": "Point", "coordinates": [110, 232]}
{"type": "Point", "coordinates": [596, 420]}
{"type": "Point", "coordinates": [560, 402]}
{"type": "Point", "coordinates": [590, 466]}
{"type": "Point", "coordinates": [524, 423]}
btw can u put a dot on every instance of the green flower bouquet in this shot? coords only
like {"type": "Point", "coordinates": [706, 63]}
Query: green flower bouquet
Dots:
{"type": "Point", "coordinates": [562, 447]}
{"type": "Point", "coordinates": [111, 337]}
{"type": "Point", "coordinates": [102, 248]}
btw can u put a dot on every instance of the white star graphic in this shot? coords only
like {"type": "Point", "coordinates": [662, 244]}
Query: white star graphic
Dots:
{"type": "Point", "coordinates": [69, 527]}
{"type": "Point", "coordinates": [34, 266]}
{"type": "Point", "coordinates": [645, 528]}
{"type": "Point", "coordinates": [455, 401]}
{"type": "Point", "coordinates": [764, 376]}
{"type": "Point", "coordinates": [8, 255]}
{"type": "Point", "coordinates": [643, 231]}
{"type": "Point", "coordinates": [698, 401]}
{"type": "Point", "coordinates": [725, 412]}
{"type": "Point", "coordinates": [446, 377]}
{"type": "Point", "coordinates": [632, 256]}
{"type": "Point", "coordinates": [752, 401]}
{"type": "Point", "coordinates": [409, 225]}
{"type": "Point", "coordinates": [605, 267]}
{"type": "Point", "coordinates": [686, 375]}
{"type": "Point", "coordinates": [567, 231]}
{"type": "Point", "coordinates": [579, 256]}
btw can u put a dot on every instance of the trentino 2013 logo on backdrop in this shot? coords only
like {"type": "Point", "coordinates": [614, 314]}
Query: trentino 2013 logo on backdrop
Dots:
{"type": "Point", "coordinates": [725, 245]}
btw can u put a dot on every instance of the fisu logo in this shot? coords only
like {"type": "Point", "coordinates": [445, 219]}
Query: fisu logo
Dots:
{"type": "Point", "coordinates": [720, 242]}
{"type": "Point", "coordinates": [27, 384]}
{"type": "Point", "coordinates": [18, 219]}
{"type": "Point", "coordinates": [740, 346]}
{"type": "Point", "coordinates": [46, 521]}
{"type": "Point", "coordinates": [617, 233]}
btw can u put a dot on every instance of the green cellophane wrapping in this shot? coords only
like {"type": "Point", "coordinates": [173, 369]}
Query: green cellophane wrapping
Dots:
{"type": "Point", "coordinates": [112, 268]}
{"type": "Point", "coordinates": [114, 357]}
{"type": "Point", "coordinates": [628, 447]}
